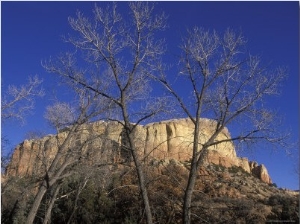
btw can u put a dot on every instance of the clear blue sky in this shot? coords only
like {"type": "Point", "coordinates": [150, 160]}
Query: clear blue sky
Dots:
{"type": "Point", "coordinates": [31, 32]}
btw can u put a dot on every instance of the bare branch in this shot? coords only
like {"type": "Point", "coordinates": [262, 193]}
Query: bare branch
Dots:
{"type": "Point", "coordinates": [18, 101]}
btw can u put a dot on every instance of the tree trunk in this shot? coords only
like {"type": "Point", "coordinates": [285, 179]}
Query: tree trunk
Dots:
{"type": "Point", "coordinates": [143, 189]}
{"type": "Point", "coordinates": [137, 162]}
{"type": "Point", "coordinates": [141, 178]}
{"type": "Point", "coordinates": [51, 177]}
{"type": "Point", "coordinates": [36, 204]}
{"type": "Point", "coordinates": [188, 195]}
{"type": "Point", "coordinates": [47, 218]}
{"type": "Point", "coordinates": [192, 175]}
{"type": "Point", "coordinates": [139, 168]}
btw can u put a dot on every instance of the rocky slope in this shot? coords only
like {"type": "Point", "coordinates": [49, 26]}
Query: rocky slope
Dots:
{"type": "Point", "coordinates": [110, 194]}
{"type": "Point", "coordinates": [161, 141]}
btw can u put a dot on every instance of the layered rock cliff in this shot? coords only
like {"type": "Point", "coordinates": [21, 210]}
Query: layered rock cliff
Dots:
{"type": "Point", "coordinates": [161, 141]}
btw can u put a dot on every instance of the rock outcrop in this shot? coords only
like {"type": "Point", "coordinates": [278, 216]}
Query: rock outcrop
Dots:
{"type": "Point", "coordinates": [164, 140]}
{"type": "Point", "coordinates": [260, 171]}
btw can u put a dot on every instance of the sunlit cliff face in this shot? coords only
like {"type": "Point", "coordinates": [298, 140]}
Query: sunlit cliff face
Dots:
{"type": "Point", "coordinates": [106, 142]}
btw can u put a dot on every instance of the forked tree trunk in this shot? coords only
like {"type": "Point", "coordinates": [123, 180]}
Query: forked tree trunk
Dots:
{"type": "Point", "coordinates": [51, 176]}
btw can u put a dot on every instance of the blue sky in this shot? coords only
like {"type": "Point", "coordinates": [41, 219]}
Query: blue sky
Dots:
{"type": "Point", "coordinates": [32, 31]}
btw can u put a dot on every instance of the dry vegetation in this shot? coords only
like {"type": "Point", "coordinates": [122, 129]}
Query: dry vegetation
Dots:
{"type": "Point", "coordinates": [222, 195]}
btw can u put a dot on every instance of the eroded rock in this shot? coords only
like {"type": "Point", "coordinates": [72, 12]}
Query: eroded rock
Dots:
{"type": "Point", "coordinates": [160, 141]}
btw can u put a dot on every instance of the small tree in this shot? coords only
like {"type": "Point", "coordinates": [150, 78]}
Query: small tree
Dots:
{"type": "Point", "coordinates": [230, 87]}
{"type": "Point", "coordinates": [70, 121]}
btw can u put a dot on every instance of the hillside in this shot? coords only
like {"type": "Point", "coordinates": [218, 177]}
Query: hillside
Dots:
{"type": "Point", "coordinates": [102, 187]}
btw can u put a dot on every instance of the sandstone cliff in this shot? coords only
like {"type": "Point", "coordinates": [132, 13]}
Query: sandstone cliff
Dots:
{"type": "Point", "coordinates": [159, 141]}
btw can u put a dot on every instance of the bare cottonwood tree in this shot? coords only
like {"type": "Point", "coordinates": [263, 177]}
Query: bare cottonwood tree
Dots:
{"type": "Point", "coordinates": [230, 87]}
{"type": "Point", "coordinates": [118, 56]}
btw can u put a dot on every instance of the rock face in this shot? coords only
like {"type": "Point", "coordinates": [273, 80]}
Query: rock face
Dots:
{"type": "Point", "coordinates": [260, 171]}
{"type": "Point", "coordinates": [164, 140]}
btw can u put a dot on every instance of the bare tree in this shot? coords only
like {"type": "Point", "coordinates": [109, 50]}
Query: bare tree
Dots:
{"type": "Point", "coordinates": [228, 86]}
{"type": "Point", "coordinates": [70, 121]}
{"type": "Point", "coordinates": [119, 57]}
